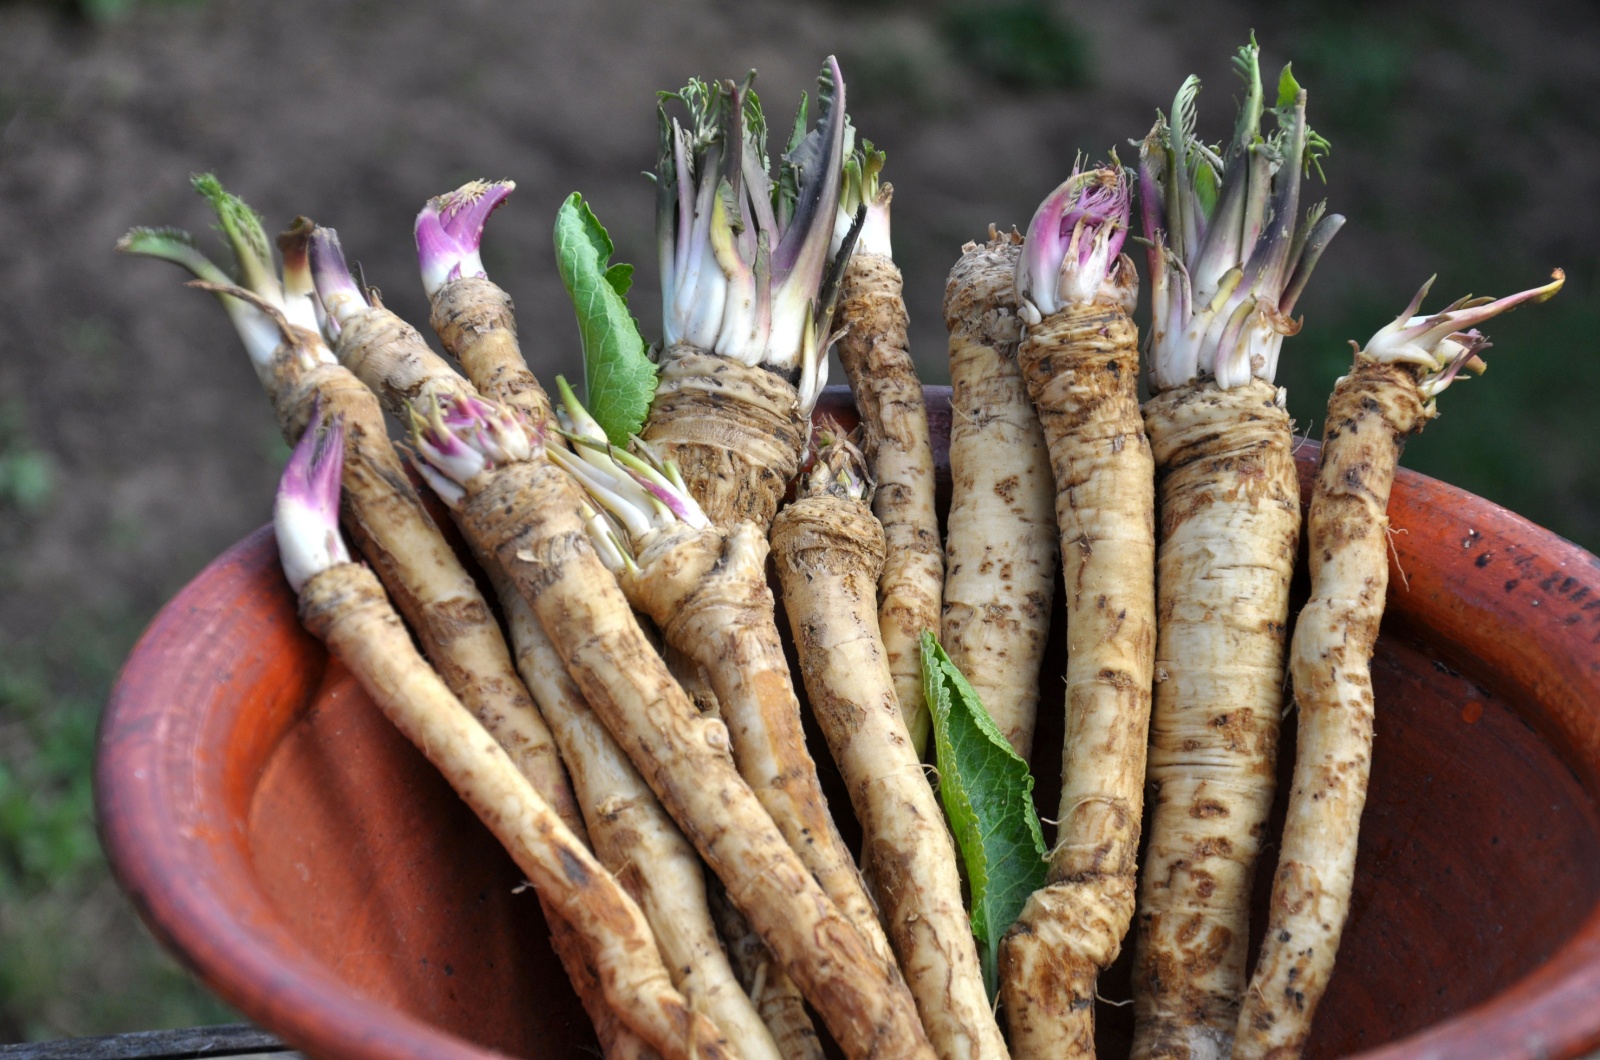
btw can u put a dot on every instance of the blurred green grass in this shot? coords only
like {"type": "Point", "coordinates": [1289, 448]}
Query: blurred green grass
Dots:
{"type": "Point", "coordinates": [71, 961]}
{"type": "Point", "coordinates": [1022, 44]}
{"type": "Point", "coordinates": [1524, 434]}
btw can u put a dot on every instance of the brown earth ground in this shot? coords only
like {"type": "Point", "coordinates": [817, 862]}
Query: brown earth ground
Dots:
{"type": "Point", "coordinates": [135, 444]}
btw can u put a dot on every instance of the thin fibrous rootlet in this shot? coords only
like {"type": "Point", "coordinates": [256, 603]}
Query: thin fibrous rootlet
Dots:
{"type": "Point", "coordinates": [747, 290]}
{"type": "Point", "coordinates": [1000, 534]}
{"type": "Point", "coordinates": [507, 493]}
{"type": "Point", "coordinates": [706, 589]}
{"type": "Point", "coordinates": [871, 323]}
{"type": "Point", "coordinates": [1388, 395]}
{"type": "Point", "coordinates": [828, 549]}
{"type": "Point", "coordinates": [343, 605]}
{"type": "Point", "coordinates": [631, 833]}
{"type": "Point", "coordinates": [1079, 360]}
{"type": "Point", "coordinates": [1229, 254]}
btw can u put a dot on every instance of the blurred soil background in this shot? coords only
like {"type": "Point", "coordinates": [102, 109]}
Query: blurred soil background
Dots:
{"type": "Point", "coordinates": [135, 444]}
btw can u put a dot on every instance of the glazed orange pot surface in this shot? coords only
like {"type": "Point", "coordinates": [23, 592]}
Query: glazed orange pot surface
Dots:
{"type": "Point", "coordinates": [307, 863]}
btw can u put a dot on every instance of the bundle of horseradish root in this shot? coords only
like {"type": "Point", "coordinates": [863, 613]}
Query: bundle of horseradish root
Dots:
{"type": "Point", "coordinates": [624, 717]}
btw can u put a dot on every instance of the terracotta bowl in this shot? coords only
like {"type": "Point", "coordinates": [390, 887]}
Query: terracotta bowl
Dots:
{"type": "Point", "coordinates": [308, 865]}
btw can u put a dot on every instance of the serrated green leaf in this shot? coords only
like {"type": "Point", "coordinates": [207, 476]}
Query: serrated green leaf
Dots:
{"type": "Point", "coordinates": [620, 277]}
{"type": "Point", "coordinates": [988, 796]}
{"type": "Point", "coordinates": [619, 378]}
{"type": "Point", "coordinates": [787, 189]}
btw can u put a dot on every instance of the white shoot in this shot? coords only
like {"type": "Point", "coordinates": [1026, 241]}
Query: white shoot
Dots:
{"type": "Point", "coordinates": [305, 516]}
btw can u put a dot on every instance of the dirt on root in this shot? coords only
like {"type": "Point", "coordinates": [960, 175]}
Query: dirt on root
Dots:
{"type": "Point", "coordinates": [135, 444]}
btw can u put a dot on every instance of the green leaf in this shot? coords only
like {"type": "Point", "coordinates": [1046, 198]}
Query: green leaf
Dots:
{"type": "Point", "coordinates": [620, 277]}
{"type": "Point", "coordinates": [1207, 189]}
{"type": "Point", "coordinates": [1288, 87]}
{"type": "Point", "coordinates": [988, 796]}
{"type": "Point", "coordinates": [618, 376]}
{"type": "Point", "coordinates": [1317, 145]}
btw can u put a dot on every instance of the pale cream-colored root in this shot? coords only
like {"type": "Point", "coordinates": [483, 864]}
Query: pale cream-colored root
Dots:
{"type": "Point", "coordinates": [1230, 521]}
{"type": "Point", "coordinates": [477, 324]}
{"type": "Point", "coordinates": [1081, 369]}
{"type": "Point", "coordinates": [616, 1039]}
{"type": "Point", "coordinates": [688, 672]}
{"type": "Point", "coordinates": [475, 321]}
{"type": "Point", "coordinates": [517, 511]}
{"type": "Point", "coordinates": [776, 997]}
{"type": "Point", "coordinates": [707, 591]}
{"type": "Point", "coordinates": [386, 520]}
{"type": "Point", "coordinates": [345, 607]}
{"type": "Point", "coordinates": [779, 1001]}
{"type": "Point", "coordinates": [453, 620]}
{"type": "Point", "coordinates": [392, 357]}
{"type": "Point", "coordinates": [1050, 963]}
{"type": "Point", "coordinates": [829, 554]}
{"type": "Point", "coordinates": [772, 408]}
{"type": "Point", "coordinates": [634, 837]}
{"type": "Point", "coordinates": [894, 423]}
{"type": "Point", "coordinates": [1000, 536]}
{"type": "Point", "coordinates": [735, 431]}
{"type": "Point", "coordinates": [1370, 413]}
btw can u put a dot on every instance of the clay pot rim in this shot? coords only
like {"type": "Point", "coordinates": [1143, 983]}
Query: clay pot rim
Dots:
{"type": "Point", "coordinates": [1548, 1012]}
{"type": "Point", "coordinates": [284, 989]}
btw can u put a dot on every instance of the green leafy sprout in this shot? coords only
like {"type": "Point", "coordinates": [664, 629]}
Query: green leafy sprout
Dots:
{"type": "Point", "coordinates": [619, 378]}
{"type": "Point", "coordinates": [1230, 251]}
{"type": "Point", "coordinates": [988, 796]}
